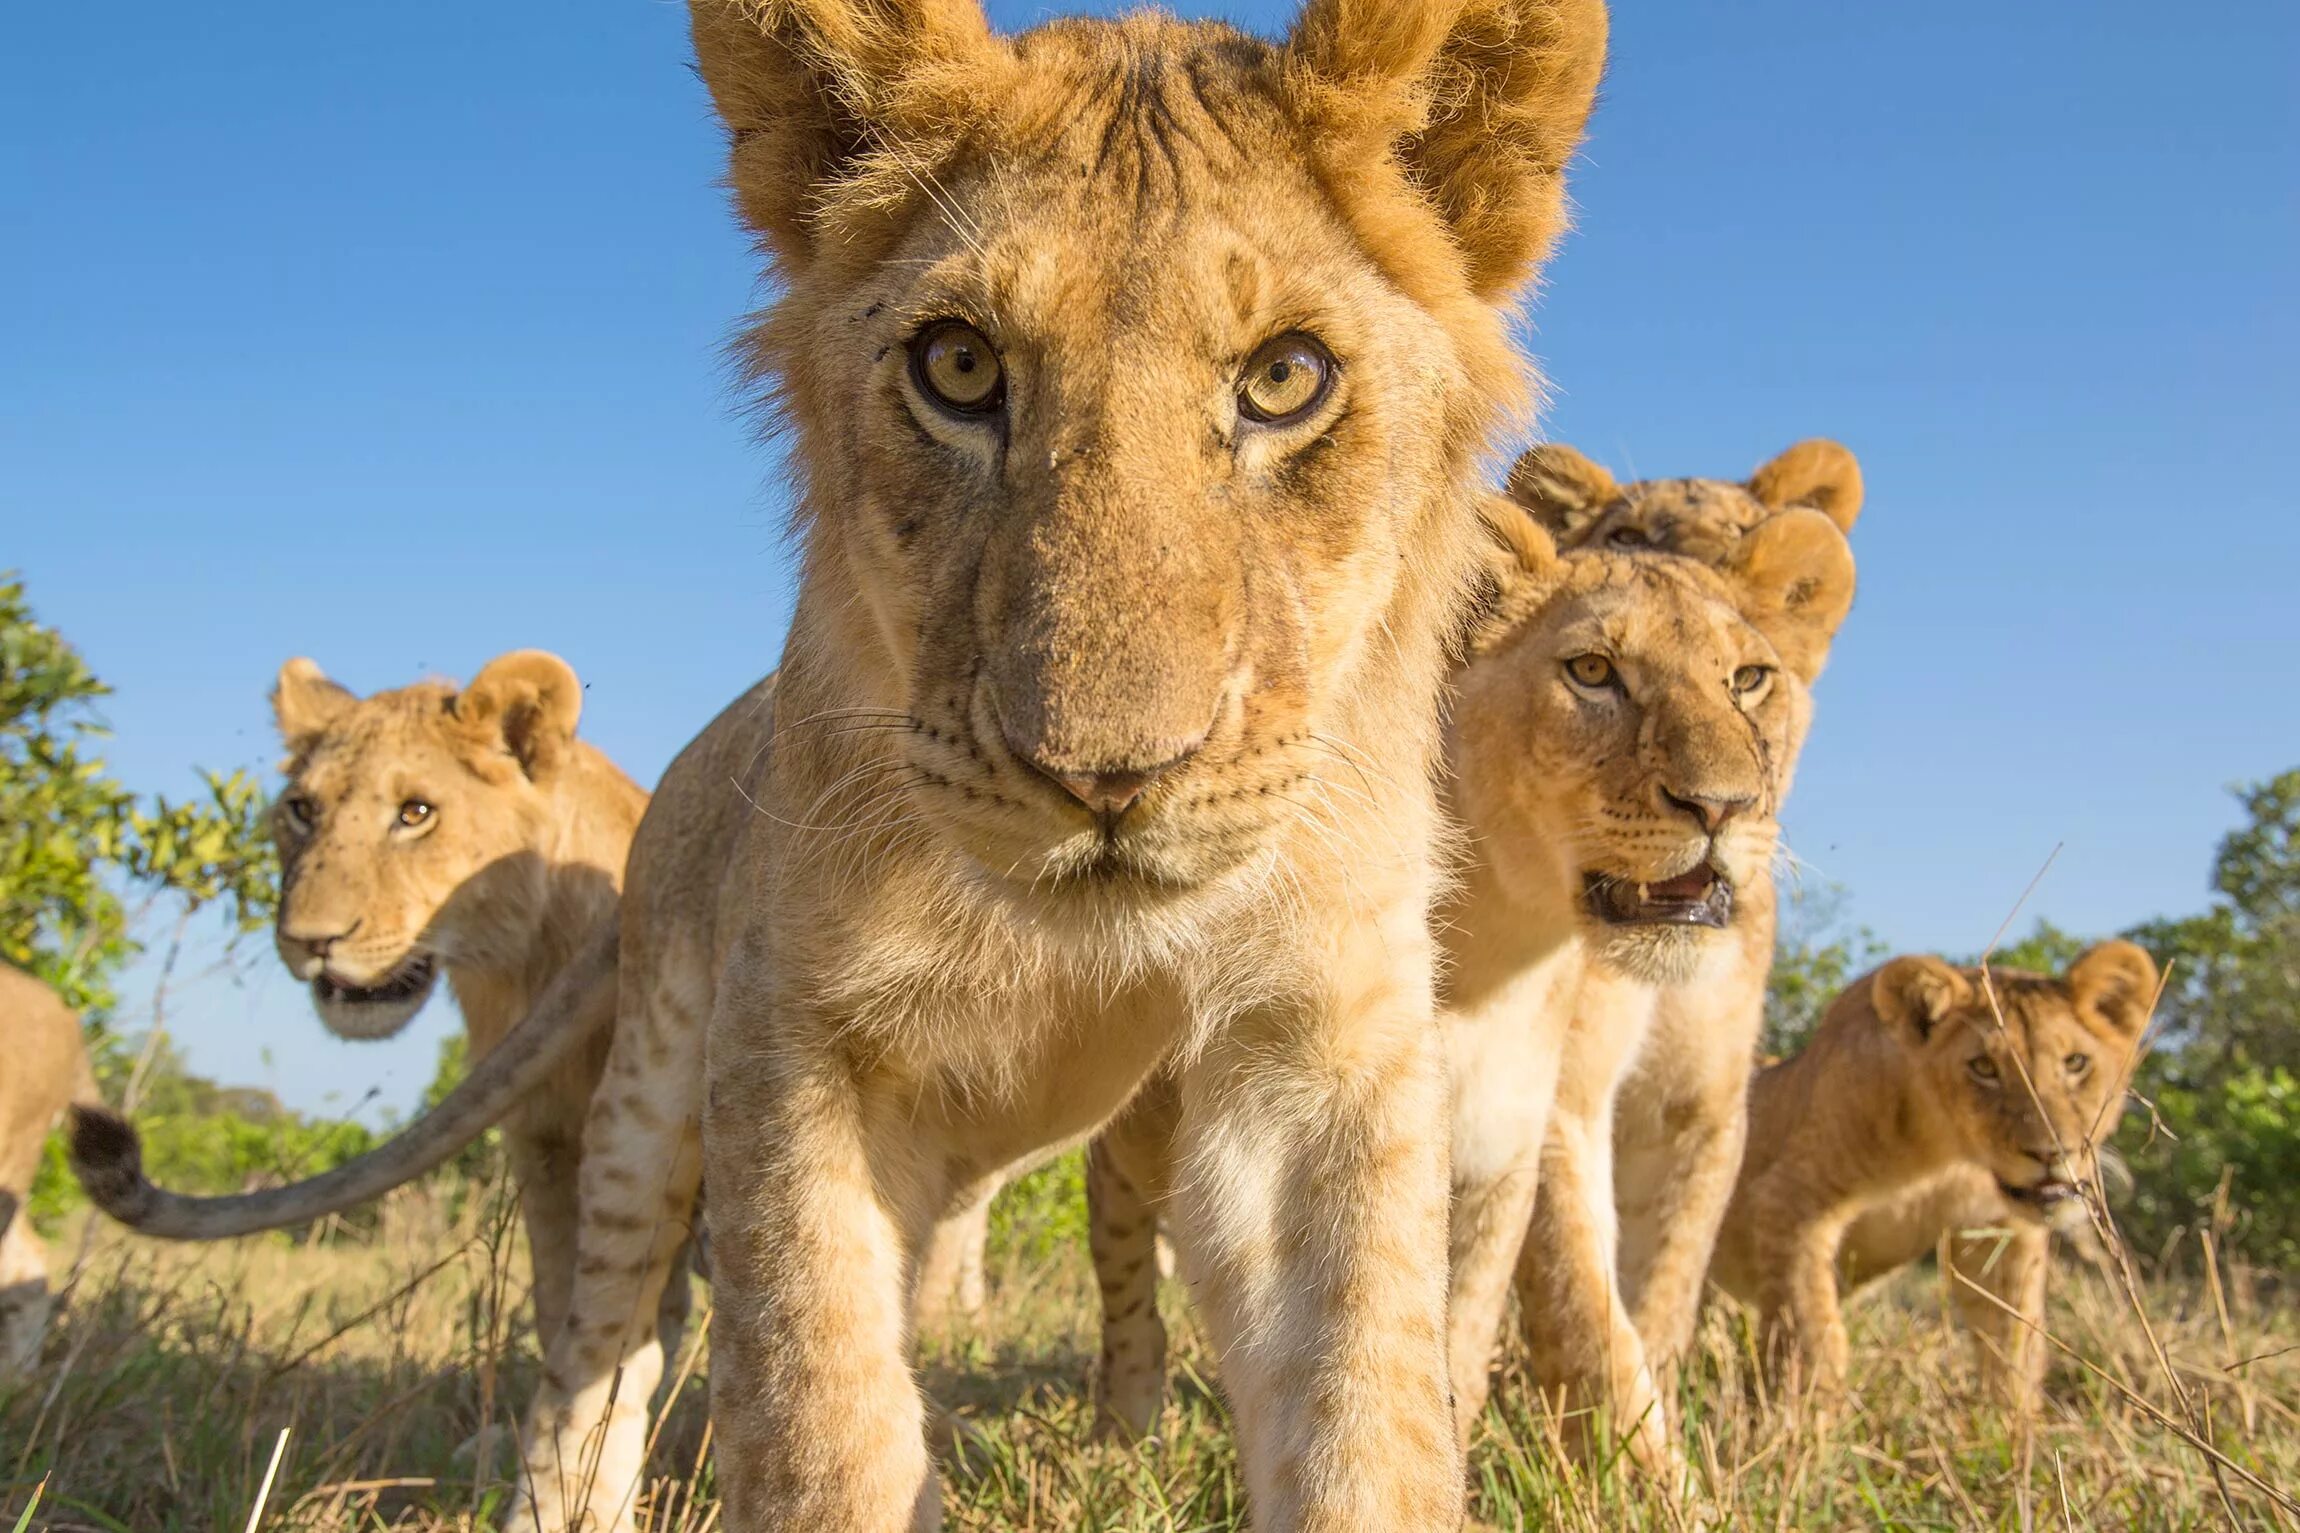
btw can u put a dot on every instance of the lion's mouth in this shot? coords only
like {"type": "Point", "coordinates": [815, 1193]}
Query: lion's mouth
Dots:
{"type": "Point", "coordinates": [2043, 1196]}
{"type": "Point", "coordinates": [411, 979]}
{"type": "Point", "coordinates": [1699, 898]}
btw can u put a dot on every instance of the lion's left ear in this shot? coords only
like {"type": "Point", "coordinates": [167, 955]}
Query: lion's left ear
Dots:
{"type": "Point", "coordinates": [1518, 567]}
{"type": "Point", "coordinates": [2118, 980]}
{"type": "Point", "coordinates": [1794, 572]}
{"type": "Point", "coordinates": [1561, 488]}
{"type": "Point", "coordinates": [532, 699]}
{"type": "Point", "coordinates": [1819, 474]}
{"type": "Point", "coordinates": [1480, 102]}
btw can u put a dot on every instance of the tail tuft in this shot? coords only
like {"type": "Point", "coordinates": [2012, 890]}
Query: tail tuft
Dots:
{"type": "Point", "coordinates": [108, 1158]}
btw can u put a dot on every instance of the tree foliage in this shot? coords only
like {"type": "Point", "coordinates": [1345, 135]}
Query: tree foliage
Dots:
{"type": "Point", "coordinates": [82, 858]}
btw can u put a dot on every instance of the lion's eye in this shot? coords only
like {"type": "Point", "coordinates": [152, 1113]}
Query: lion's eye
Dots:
{"type": "Point", "coordinates": [1626, 537]}
{"type": "Point", "coordinates": [953, 363]}
{"type": "Point", "coordinates": [299, 812]}
{"type": "Point", "coordinates": [1752, 680]}
{"type": "Point", "coordinates": [2077, 1064]}
{"type": "Point", "coordinates": [1590, 671]}
{"type": "Point", "coordinates": [414, 812]}
{"type": "Point", "coordinates": [1983, 1068]}
{"type": "Point", "coordinates": [1285, 379]}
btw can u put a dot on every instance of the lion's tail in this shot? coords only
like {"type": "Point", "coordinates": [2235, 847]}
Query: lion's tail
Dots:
{"type": "Point", "coordinates": [108, 1157]}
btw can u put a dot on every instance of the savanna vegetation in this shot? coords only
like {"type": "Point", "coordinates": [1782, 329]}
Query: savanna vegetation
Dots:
{"type": "Point", "coordinates": [366, 1374]}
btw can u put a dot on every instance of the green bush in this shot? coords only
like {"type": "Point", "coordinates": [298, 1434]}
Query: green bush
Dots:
{"type": "Point", "coordinates": [2243, 1127]}
{"type": "Point", "coordinates": [1042, 1212]}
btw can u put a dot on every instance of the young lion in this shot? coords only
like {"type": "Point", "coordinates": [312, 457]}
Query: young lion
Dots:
{"type": "Point", "coordinates": [47, 1071]}
{"type": "Point", "coordinates": [1913, 1115]}
{"type": "Point", "coordinates": [1138, 372]}
{"type": "Point", "coordinates": [1580, 505]}
{"type": "Point", "coordinates": [1622, 744]}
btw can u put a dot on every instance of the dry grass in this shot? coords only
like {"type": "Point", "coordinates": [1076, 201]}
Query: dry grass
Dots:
{"type": "Point", "coordinates": [162, 1399]}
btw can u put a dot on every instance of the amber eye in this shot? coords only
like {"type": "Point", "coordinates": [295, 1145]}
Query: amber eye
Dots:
{"type": "Point", "coordinates": [299, 812]}
{"type": "Point", "coordinates": [2077, 1064]}
{"type": "Point", "coordinates": [1984, 1068]}
{"type": "Point", "coordinates": [1626, 537]}
{"type": "Point", "coordinates": [1590, 671]}
{"type": "Point", "coordinates": [414, 812]}
{"type": "Point", "coordinates": [952, 362]}
{"type": "Point", "coordinates": [1751, 680]}
{"type": "Point", "coordinates": [1285, 379]}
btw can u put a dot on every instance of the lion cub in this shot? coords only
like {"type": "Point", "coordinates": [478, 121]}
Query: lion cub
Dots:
{"type": "Point", "coordinates": [1921, 1110]}
{"type": "Point", "coordinates": [47, 1071]}
{"type": "Point", "coordinates": [1624, 733]}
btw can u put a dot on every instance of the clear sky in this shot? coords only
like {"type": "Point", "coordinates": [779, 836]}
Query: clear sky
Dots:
{"type": "Point", "coordinates": [391, 335]}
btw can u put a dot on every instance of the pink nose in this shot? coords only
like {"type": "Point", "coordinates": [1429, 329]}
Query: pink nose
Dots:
{"type": "Point", "coordinates": [1107, 793]}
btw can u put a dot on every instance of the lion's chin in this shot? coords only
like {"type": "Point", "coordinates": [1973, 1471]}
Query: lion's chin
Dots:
{"type": "Point", "coordinates": [380, 1009]}
{"type": "Point", "coordinates": [1654, 953]}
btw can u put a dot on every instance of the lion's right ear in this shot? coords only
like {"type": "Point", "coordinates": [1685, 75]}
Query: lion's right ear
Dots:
{"type": "Point", "coordinates": [1915, 995]}
{"type": "Point", "coordinates": [2117, 980]}
{"type": "Point", "coordinates": [305, 702]}
{"type": "Point", "coordinates": [813, 92]}
{"type": "Point", "coordinates": [1794, 571]}
{"type": "Point", "coordinates": [532, 699]}
{"type": "Point", "coordinates": [1563, 490]}
{"type": "Point", "coordinates": [1517, 567]}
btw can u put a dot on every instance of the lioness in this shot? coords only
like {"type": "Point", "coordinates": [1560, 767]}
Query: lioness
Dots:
{"type": "Point", "coordinates": [47, 1070]}
{"type": "Point", "coordinates": [1914, 1115]}
{"type": "Point", "coordinates": [1138, 372]}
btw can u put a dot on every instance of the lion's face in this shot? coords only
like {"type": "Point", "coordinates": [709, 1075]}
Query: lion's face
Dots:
{"type": "Point", "coordinates": [1143, 446]}
{"type": "Point", "coordinates": [411, 831]}
{"type": "Point", "coordinates": [1629, 725]}
{"type": "Point", "coordinates": [1581, 506]}
{"type": "Point", "coordinates": [2031, 1100]}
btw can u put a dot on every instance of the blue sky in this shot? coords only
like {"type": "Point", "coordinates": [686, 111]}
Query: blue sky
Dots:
{"type": "Point", "coordinates": [392, 335]}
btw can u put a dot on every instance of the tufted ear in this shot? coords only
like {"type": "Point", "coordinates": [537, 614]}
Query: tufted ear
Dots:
{"type": "Point", "coordinates": [2118, 981]}
{"type": "Point", "coordinates": [1481, 102]}
{"type": "Point", "coordinates": [811, 91]}
{"type": "Point", "coordinates": [1916, 995]}
{"type": "Point", "coordinates": [1794, 573]}
{"type": "Point", "coordinates": [1818, 474]}
{"type": "Point", "coordinates": [531, 699]}
{"type": "Point", "coordinates": [305, 702]}
{"type": "Point", "coordinates": [1562, 489]}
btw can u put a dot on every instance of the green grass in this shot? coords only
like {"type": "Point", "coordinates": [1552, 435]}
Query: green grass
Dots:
{"type": "Point", "coordinates": [166, 1385]}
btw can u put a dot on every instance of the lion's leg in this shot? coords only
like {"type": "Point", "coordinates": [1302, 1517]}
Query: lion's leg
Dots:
{"type": "Point", "coordinates": [1673, 1190]}
{"type": "Point", "coordinates": [819, 1421]}
{"type": "Point", "coordinates": [585, 1445]}
{"type": "Point", "coordinates": [545, 1158]}
{"type": "Point", "coordinates": [24, 1296]}
{"type": "Point", "coordinates": [1504, 1074]}
{"type": "Point", "coordinates": [1997, 1283]}
{"type": "Point", "coordinates": [1585, 1350]}
{"type": "Point", "coordinates": [951, 1284]}
{"type": "Point", "coordinates": [1311, 1198]}
{"type": "Point", "coordinates": [1800, 1314]}
{"type": "Point", "coordinates": [1127, 1177]}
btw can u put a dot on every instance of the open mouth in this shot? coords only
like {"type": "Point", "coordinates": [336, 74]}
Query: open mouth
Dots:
{"type": "Point", "coordinates": [411, 979]}
{"type": "Point", "coordinates": [1698, 898]}
{"type": "Point", "coordinates": [2048, 1194]}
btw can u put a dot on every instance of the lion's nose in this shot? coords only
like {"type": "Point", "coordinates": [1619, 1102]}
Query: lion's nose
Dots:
{"type": "Point", "coordinates": [1108, 792]}
{"type": "Point", "coordinates": [1711, 808]}
{"type": "Point", "coordinates": [319, 942]}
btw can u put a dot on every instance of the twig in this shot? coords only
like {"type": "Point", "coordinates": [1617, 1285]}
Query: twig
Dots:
{"type": "Point", "coordinates": [264, 1494]}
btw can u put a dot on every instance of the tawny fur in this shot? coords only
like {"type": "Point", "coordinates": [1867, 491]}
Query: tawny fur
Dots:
{"type": "Point", "coordinates": [1580, 505]}
{"type": "Point", "coordinates": [1916, 1119]}
{"type": "Point", "coordinates": [516, 860]}
{"type": "Point", "coordinates": [916, 959]}
{"type": "Point", "coordinates": [1599, 1069]}
{"type": "Point", "coordinates": [1653, 1031]}
{"type": "Point", "coordinates": [47, 1070]}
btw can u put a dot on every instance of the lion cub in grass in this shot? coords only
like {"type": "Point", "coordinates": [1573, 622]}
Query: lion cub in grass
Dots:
{"type": "Point", "coordinates": [1929, 1109]}
{"type": "Point", "coordinates": [1622, 741]}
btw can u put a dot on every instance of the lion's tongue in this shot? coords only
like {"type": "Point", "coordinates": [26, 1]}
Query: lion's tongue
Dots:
{"type": "Point", "coordinates": [1685, 886]}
